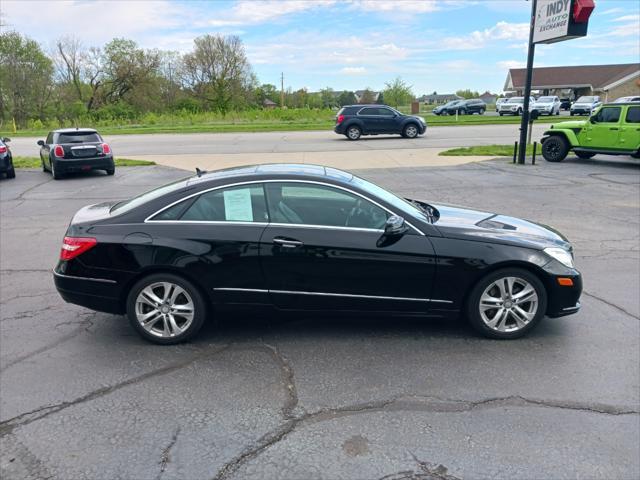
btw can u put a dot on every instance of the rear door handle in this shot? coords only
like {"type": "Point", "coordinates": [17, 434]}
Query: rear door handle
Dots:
{"type": "Point", "coordinates": [287, 242]}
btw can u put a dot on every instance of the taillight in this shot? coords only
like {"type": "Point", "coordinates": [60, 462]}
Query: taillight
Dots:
{"type": "Point", "coordinates": [74, 246]}
{"type": "Point", "coordinates": [58, 151]}
{"type": "Point", "coordinates": [106, 149]}
{"type": "Point", "coordinates": [3, 149]}
{"type": "Point", "coordinates": [340, 118]}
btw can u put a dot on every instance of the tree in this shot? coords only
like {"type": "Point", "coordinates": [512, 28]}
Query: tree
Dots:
{"type": "Point", "coordinates": [328, 97]}
{"type": "Point", "coordinates": [397, 93]}
{"type": "Point", "coordinates": [367, 96]}
{"type": "Point", "coordinates": [218, 72]}
{"type": "Point", "coordinates": [346, 98]}
{"type": "Point", "coordinates": [68, 63]}
{"type": "Point", "coordinates": [467, 93]}
{"type": "Point", "coordinates": [26, 78]}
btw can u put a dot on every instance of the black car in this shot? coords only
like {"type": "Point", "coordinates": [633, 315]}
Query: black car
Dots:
{"type": "Point", "coordinates": [444, 109]}
{"type": "Point", "coordinates": [6, 160]}
{"type": "Point", "coordinates": [75, 150]}
{"type": "Point", "coordinates": [309, 238]}
{"type": "Point", "coordinates": [468, 107]}
{"type": "Point", "coordinates": [565, 104]}
{"type": "Point", "coordinates": [354, 121]}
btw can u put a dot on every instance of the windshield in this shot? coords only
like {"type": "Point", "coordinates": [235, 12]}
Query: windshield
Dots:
{"type": "Point", "coordinates": [390, 198]}
{"type": "Point", "coordinates": [145, 197]}
{"type": "Point", "coordinates": [545, 100]}
{"type": "Point", "coordinates": [79, 137]}
{"type": "Point", "coordinates": [586, 99]}
{"type": "Point", "coordinates": [516, 100]}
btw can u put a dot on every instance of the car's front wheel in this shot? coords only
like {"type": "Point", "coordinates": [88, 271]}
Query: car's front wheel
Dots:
{"type": "Point", "coordinates": [165, 308]}
{"type": "Point", "coordinates": [410, 131]}
{"type": "Point", "coordinates": [507, 303]}
{"type": "Point", "coordinates": [354, 132]}
{"type": "Point", "coordinates": [555, 149]}
{"type": "Point", "coordinates": [481, 112]}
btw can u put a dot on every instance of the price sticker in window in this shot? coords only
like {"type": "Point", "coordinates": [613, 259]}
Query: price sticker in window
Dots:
{"type": "Point", "coordinates": [237, 205]}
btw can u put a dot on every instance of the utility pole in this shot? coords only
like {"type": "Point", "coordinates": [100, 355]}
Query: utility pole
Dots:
{"type": "Point", "coordinates": [282, 90]}
{"type": "Point", "coordinates": [522, 147]}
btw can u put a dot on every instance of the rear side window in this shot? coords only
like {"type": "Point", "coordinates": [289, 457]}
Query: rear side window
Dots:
{"type": "Point", "coordinates": [633, 115]}
{"type": "Point", "coordinates": [608, 115]}
{"type": "Point", "coordinates": [243, 203]}
{"type": "Point", "coordinates": [79, 137]}
{"type": "Point", "coordinates": [369, 111]}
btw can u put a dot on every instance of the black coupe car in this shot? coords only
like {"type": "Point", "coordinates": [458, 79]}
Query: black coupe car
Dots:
{"type": "Point", "coordinates": [305, 237]}
{"type": "Point", "coordinates": [6, 159]}
{"type": "Point", "coordinates": [75, 150]}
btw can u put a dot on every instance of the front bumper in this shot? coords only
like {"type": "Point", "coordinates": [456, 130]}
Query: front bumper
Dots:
{"type": "Point", "coordinates": [581, 110]}
{"type": "Point", "coordinates": [84, 164]}
{"type": "Point", "coordinates": [563, 300]}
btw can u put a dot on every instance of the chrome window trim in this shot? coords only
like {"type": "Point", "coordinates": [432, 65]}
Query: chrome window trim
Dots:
{"type": "Point", "coordinates": [326, 294]}
{"type": "Point", "coordinates": [72, 277]}
{"type": "Point", "coordinates": [149, 219]}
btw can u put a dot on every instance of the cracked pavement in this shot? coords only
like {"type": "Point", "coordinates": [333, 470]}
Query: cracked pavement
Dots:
{"type": "Point", "coordinates": [296, 397]}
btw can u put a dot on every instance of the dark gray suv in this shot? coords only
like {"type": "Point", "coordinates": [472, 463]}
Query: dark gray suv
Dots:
{"type": "Point", "coordinates": [354, 121]}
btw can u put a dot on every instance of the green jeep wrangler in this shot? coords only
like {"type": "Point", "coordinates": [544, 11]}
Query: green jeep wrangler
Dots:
{"type": "Point", "coordinates": [613, 129]}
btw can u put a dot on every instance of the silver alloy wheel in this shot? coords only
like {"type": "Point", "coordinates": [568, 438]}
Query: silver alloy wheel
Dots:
{"type": "Point", "coordinates": [508, 304]}
{"type": "Point", "coordinates": [411, 131]}
{"type": "Point", "coordinates": [354, 133]}
{"type": "Point", "coordinates": [164, 309]}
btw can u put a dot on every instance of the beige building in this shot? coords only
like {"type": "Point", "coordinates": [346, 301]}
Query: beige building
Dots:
{"type": "Point", "coordinates": [607, 81]}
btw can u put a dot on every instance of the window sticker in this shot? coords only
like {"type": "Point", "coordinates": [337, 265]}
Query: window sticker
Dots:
{"type": "Point", "coordinates": [237, 205]}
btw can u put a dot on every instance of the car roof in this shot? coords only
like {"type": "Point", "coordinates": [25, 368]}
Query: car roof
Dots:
{"type": "Point", "coordinates": [366, 105]}
{"type": "Point", "coordinates": [274, 170]}
{"type": "Point", "coordinates": [69, 130]}
{"type": "Point", "coordinates": [617, 104]}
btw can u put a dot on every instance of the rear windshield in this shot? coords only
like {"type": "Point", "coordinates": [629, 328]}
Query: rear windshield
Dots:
{"type": "Point", "coordinates": [79, 137]}
{"type": "Point", "coordinates": [586, 99]}
{"type": "Point", "coordinates": [134, 202]}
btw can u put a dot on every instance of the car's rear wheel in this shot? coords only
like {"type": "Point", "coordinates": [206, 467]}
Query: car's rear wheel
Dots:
{"type": "Point", "coordinates": [519, 111]}
{"type": "Point", "coordinates": [507, 303]}
{"type": "Point", "coordinates": [410, 131]}
{"type": "Point", "coordinates": [55, 172]}
{"type": "Point", "coordinates": [584, 155]}
{"type": "Point", "coordinates": [481, 112]}
{"type": "Point", "coordinates": [110, 171]}
{"type": "Point", "coordinates": [354, 132]}
{"type": "Point", "coordinates": [555, 149]}
{"type": "Point", "coordinates": [165, 309]}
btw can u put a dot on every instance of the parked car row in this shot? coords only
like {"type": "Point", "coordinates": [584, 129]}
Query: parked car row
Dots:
{"type": "Point", "coordinates": [462, 107]}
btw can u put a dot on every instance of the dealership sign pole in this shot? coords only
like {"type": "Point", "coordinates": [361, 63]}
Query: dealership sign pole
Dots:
{"type": "Point", "coordinates": [551, 21]}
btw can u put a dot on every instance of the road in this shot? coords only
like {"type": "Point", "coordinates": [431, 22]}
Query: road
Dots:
{"type": "Point", "coordinates": [292, 397]}
{"type": "Point", "coordinates": [127, 146]}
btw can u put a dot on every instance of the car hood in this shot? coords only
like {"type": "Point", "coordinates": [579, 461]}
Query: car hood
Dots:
{"type": "Point", "coordinates": [583, 104]}
{"type": "Point", "coordinates": [457, 222]}
{"type": "Point", "coordinates": [570, 124]}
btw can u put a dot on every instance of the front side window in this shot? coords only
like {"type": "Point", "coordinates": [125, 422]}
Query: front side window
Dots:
{"type": "Point", "coordinates": [633, 115]}
{"type": "Point", "coordinates": [244, 203]}
{"type": "Point", "coordinates": [608, 115]}
{"type": "Point", "coordinates": [312, 204]}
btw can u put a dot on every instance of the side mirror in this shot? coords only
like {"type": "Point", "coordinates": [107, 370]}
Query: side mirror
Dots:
{"type": "Point", "coordinates": [395, 225]}
{"type": "Point", "coordinates": [41, 143]}
{"type": "Point", "coordinates": [593, 119]}
{"type": "Point", "coordinates": [6, 139]}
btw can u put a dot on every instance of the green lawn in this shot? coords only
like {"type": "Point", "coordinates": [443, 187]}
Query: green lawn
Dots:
{"type": "Point", "coordinates": [34, 162]}
{"type": "Point", "coordinates": [321, 121]}
{"type": "Point", "coordinates": [488, 150]}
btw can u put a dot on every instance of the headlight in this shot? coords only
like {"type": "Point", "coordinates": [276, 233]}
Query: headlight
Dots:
{"type": "Point", "coordinates": [561, 255]}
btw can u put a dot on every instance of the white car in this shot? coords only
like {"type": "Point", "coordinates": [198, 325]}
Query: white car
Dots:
{"type": "Point", "coordinates": [627, 99]}
{"type": "Point", "coordinates": [585, 105]}
{"type": "Point", "coordinates": [500, 101]}
{"type": "Point", "coordinates": [547, 105]}
{"type": "Point", "coordinates": [514, 106]}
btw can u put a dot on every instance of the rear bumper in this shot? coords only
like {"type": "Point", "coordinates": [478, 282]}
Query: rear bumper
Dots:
{"type": "Point", "coordinates": [95, 293]}
{"type": "Point", "coordinates": [83, 164]}
{"type": "Point", "coordinates": [339, 129]}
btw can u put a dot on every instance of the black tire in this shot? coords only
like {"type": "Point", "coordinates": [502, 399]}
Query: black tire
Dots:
{"type": "Point", "coordinates": [110, 171]}
{"type": "Point", "coordinates": [353, 132]}
{"type": "Point", "coordinates": [584, 155]}
{"type": "Point", "coordinates": [635, 155]}
{"type": "Point", "coordinates": [463, 112]}
{"type": "Point", "coordinates": [519, 112]}
{"type": "Point", "coordinates": [481, 112]}
{"type": "Point", "coordinates": [410, 130]}
{"type": "Point", "coordinates": [55, 172]}
{"type": "Point", "coordinates": [536, 308]}
{"type": "Point", "coordinates": [571, 113]}
{"type": "Point", "coordinates": [199, 309]}
{"type": "Point", "coordinates": [11, 173]}
{"type": "Point", "coordinates": [501, 114]}
{"type": "Point", "coordinates": [555, 149]}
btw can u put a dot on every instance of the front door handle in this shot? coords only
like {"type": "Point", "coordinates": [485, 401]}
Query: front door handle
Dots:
{"type": "Point", "coordinates": [287, 242]}
{"type": "Point", "coordinates": [613, 128]}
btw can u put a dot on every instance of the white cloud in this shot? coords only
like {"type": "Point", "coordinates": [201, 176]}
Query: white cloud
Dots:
{"type": "Point", "coordinates": [246, 12]}
{"type": "Point", "coordinates": [508, 64]}
{"type": "Point", "coordinates": [353, 70]}
{"type": "Point", "coordinates": [628, 18]}
{"type": "Point", "coordinates": [479, 38]}
{"type": "Point", "coordinates": [611, 11]}
{"type": "Point", "coordinates": [393, 6]}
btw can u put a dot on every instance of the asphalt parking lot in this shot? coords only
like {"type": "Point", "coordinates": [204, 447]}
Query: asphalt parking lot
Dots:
{"type": "Point", "coordinates": [81, 396]}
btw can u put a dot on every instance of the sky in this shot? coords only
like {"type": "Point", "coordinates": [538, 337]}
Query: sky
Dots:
{"type": "Point", "coordinates": [433, 45]}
